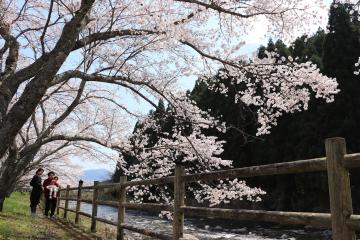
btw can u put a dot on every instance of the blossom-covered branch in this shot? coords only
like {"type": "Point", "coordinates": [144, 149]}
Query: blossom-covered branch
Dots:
{"type": "Point", "coordinates": [69, 70]}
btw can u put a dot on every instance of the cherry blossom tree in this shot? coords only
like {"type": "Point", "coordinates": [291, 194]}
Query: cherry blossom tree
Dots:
{"type": "Point", "coordinates": [110, 48]}
{"type": "Point", "coordinates": [68, 122]}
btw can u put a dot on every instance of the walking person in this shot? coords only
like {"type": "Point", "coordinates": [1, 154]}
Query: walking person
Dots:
{"type": "Point", "coordinates": [36, 191]}
{"type": "Point", "coordinates": [50, 184]}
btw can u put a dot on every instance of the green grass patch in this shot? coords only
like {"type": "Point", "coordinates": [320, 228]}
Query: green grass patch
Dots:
{"type": "Point", "coordinates": [18, 203]}
{"type": "Point", "coordinates": [16, 222]}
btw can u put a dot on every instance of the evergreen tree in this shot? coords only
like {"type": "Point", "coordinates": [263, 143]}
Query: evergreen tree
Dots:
{"type": "Point", "coordinates": [164, 125]}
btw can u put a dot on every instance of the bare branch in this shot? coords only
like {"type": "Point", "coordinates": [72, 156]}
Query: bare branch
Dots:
{"type": "Point", "coordinates": [66, 113]}
{"type": "Point", "coordinates": [46, 26]}
{"type": "Point", "coordinates": [101, 36]}
{"type": "Point", "coordinates": [13, 46]}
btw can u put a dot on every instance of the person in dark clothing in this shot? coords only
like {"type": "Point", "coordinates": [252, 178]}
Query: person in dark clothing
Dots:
{"type": "Point", "coordinates": [36, 191]}
{"type": "Point", "coordinates": [50, 202]}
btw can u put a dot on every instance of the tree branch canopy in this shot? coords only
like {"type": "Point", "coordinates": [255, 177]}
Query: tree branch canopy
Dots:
{"type": "Point", "coordinates": [134, 53]}
{"type": "Point", "coordinates": [35, 90]}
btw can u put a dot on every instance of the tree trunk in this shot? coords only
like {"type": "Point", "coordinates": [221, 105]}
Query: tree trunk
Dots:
{"type": "Point", "coordinates": [8, 175]}
{"type": "Point", "coordinates": [2, 200]}
{"type": "Point", "coordinates": [11, 170]}
{"type": "Point", "coordinates": [5, 190]}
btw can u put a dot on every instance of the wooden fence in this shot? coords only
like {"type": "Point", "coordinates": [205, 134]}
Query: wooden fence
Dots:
{"type": "Point", "coordinates": [337, 163]}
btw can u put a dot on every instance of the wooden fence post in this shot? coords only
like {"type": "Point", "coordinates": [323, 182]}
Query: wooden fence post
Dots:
{"type": "Point", "coordinates": [78, 202]}
{"type": "Point", "coordinates": [94, 207]}
{"type": "Point", "coordinates": [58, 204]}
{"type": "Point", "coordinates": [179, 195]}
{"type": "Point", "coordinates": [339, 189]}
{"type": "Point", "coordinates": [121, 209]}
{"type": "Point", "coordinates": [66, 201]}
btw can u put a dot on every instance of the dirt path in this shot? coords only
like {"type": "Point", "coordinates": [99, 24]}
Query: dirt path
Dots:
{"type": "Point", "coordinates": [73, 230]}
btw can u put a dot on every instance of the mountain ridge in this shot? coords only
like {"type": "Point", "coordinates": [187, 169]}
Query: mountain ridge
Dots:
{"type": "Point", "coordinates": [96, 174]}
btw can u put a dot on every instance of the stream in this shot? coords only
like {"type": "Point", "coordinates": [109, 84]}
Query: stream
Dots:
{"type": "Point", "coordinates": [208, 229]}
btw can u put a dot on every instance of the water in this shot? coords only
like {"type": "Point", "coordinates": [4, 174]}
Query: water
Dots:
{"type": "Point", "coordinates": [205, 229]}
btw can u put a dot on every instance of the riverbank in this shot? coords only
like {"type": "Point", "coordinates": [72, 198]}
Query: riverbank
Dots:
{"type": "Point", "coordinates": [205, 229]}
{"type": "Point", "coordinates": [16, 222]}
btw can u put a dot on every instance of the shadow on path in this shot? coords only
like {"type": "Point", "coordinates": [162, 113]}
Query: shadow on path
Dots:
{"type": "Point", "coordinates": [75, 231]}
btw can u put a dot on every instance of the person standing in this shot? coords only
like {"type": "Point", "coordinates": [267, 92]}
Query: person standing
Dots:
{"type": "Point", "coordinates": [36, 191]}
{"type": "Point", "coordinates": [50, 202]}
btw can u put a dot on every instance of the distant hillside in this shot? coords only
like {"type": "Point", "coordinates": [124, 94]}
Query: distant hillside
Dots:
{"type": "Point", "coordinates": [99, 174]}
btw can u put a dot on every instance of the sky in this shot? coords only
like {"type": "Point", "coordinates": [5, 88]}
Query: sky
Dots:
{"type": "Point", "coordinates": [253, 39]}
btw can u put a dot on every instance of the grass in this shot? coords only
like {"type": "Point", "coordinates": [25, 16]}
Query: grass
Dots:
{"type": "Point", "coordinates": [104, 230]}
{"type": "Point", "coordinates": [16, 223]}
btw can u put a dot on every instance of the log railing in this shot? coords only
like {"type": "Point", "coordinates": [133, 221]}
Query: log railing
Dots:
{"type": "Point", "coordinates": [337, 163]}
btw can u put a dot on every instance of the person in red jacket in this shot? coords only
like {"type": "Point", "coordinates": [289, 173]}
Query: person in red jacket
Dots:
{"type": "Point", "coordinates": [50, 201]}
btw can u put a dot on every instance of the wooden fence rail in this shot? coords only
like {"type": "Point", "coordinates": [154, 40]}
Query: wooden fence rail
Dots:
{"type": "Point", "coordinates": [337, 163]}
